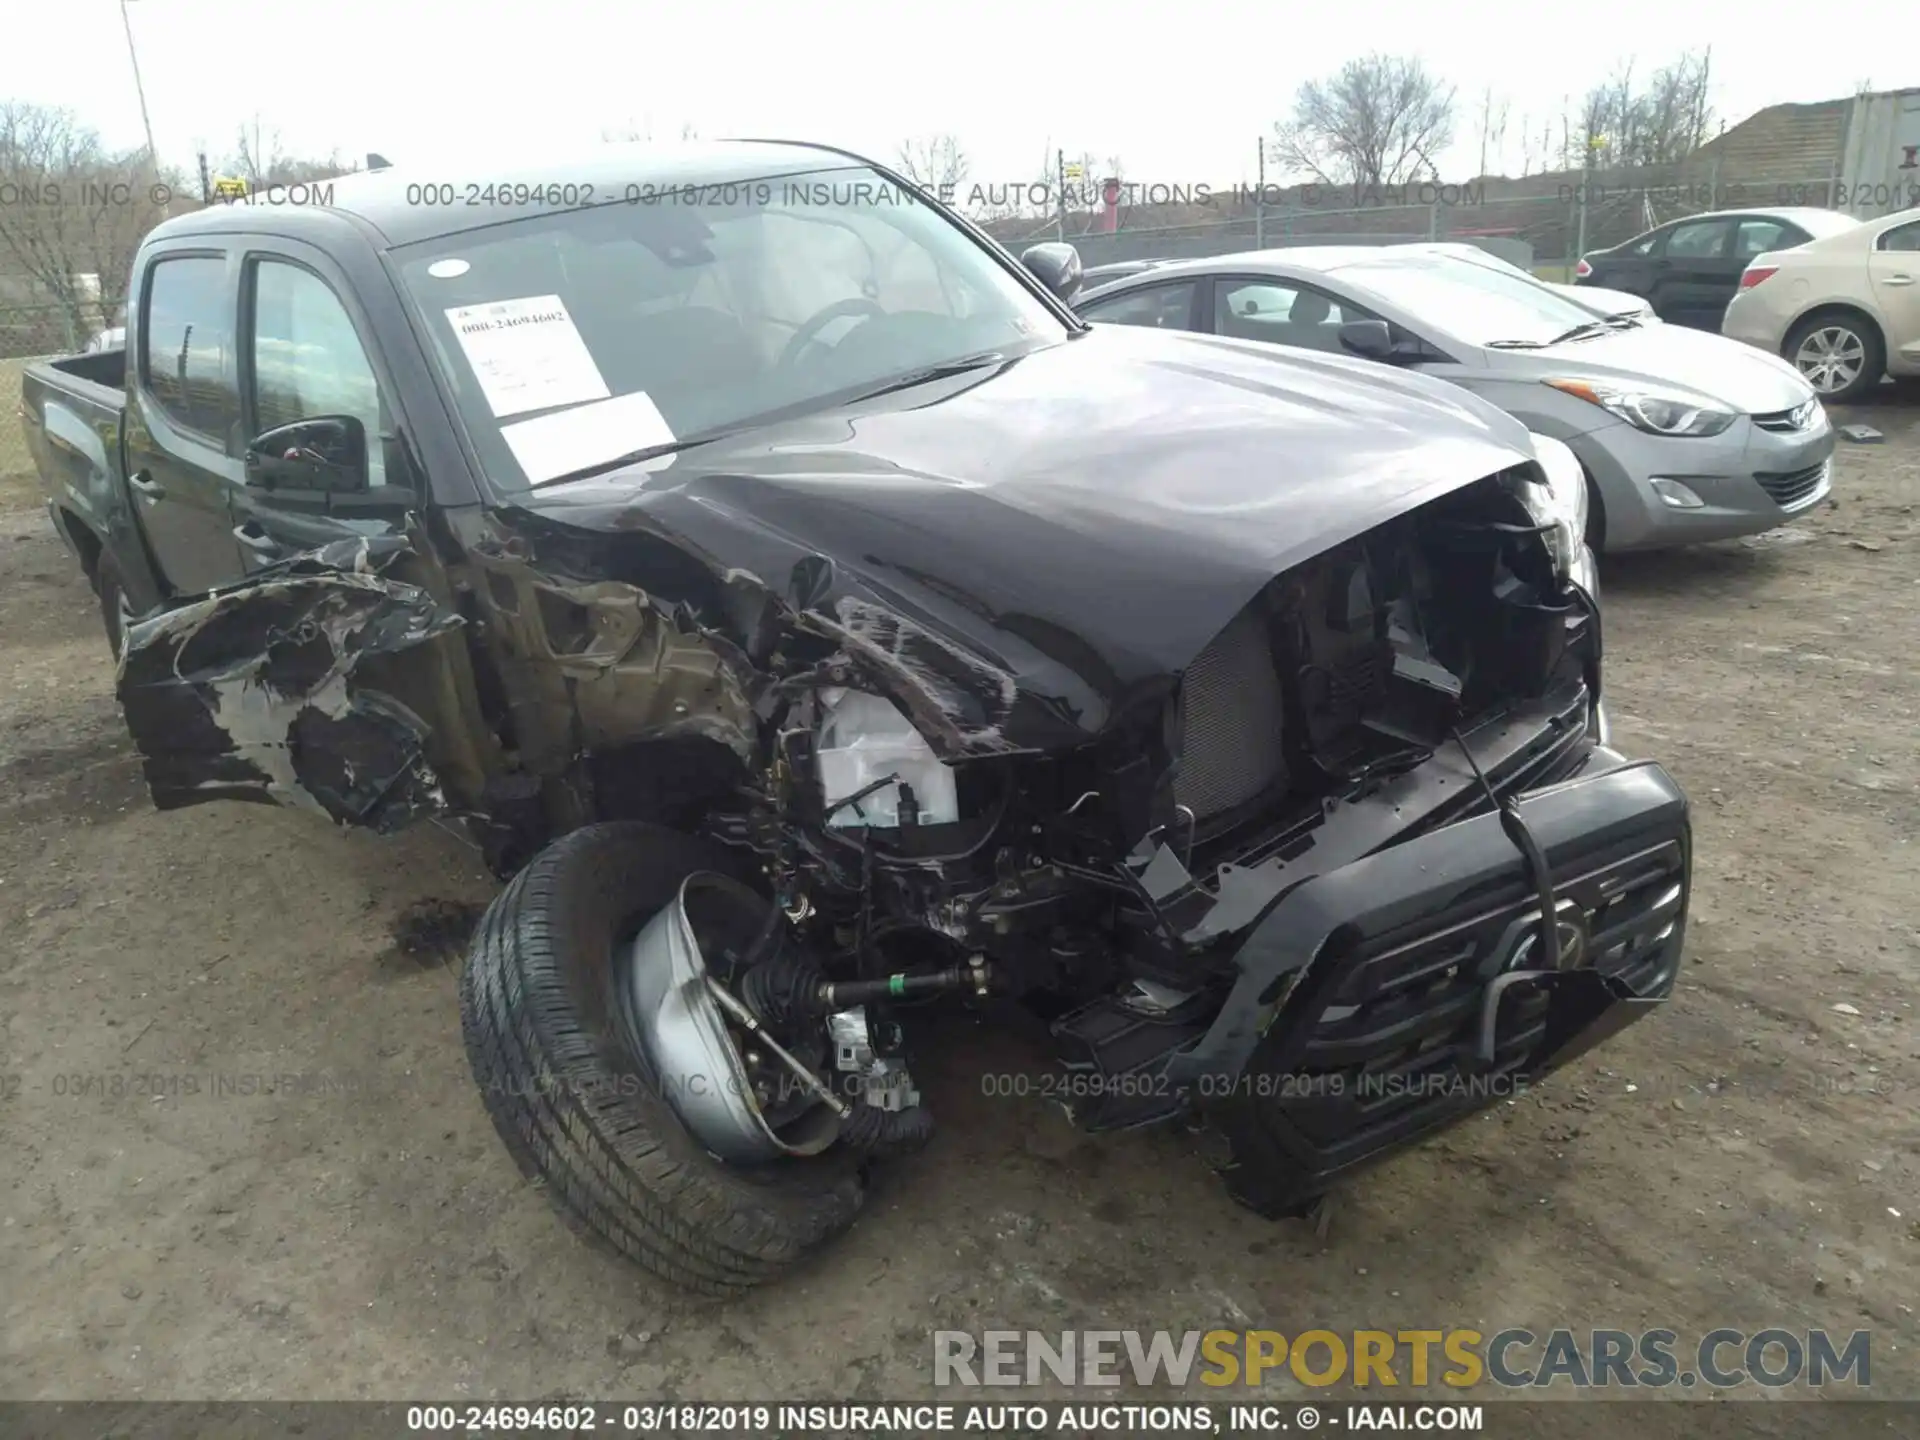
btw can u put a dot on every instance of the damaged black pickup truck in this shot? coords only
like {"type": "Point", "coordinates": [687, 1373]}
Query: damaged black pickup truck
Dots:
{"type": "Point", "coordinates": [814, 621]}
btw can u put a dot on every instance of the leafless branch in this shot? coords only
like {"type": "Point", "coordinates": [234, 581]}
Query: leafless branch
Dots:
{"type": "Point", "coordinates": [1659, 123]}
{"type": "Point", "coordinates": [935, 163]}
{"type": "Point", "coordinates": [1378, 120]}
{"type": "Point", "coordinates": [259, 159]}
{"type": "Point", "coordinates": [75, 212]}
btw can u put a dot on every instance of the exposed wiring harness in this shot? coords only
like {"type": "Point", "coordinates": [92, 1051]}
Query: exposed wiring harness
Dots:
{"type": "Point", "coordinates": [1508, 809]}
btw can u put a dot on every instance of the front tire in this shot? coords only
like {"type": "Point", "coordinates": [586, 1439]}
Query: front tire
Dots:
{"type": "Point", "coordinates": [579, 1111]}
{"type": "Point", "coordinates": [1842, 356]}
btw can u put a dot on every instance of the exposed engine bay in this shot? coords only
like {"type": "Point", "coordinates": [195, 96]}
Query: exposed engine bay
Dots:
{"type": "Point", "coordinates": [1104, 886]}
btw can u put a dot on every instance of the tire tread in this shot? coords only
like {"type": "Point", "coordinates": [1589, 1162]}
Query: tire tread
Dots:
{"type": "Point", "coordinates": [604, 1146]}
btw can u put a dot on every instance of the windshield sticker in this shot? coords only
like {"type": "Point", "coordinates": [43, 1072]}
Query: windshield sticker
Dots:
{"type": "Point", "coordinates": [527, 354]}
{"type": "Point", "coordinates": [448, 269]}
{"type": "Point", "coordinates": [553, 446]}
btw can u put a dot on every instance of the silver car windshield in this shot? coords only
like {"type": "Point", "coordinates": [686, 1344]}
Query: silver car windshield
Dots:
{"type": "Point", "coordinates": [570, 341]}
{"type": "Point", "coordinates": [1478, 303]}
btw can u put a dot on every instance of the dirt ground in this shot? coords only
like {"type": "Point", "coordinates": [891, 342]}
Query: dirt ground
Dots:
{"type": "Point", "coordinates": [352, 1228]}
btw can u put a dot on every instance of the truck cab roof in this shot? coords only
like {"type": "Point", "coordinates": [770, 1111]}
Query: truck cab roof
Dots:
{"type": "Point", "coordinates": [405, 203]}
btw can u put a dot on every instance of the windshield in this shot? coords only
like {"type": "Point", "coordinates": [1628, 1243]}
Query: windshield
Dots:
{"type": "Point", "coordinates": [1475, 302]}
{"type": "Point", "coordinates": [571, 340]}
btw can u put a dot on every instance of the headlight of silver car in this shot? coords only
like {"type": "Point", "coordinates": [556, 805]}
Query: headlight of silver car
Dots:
{"type": "Point", "coordinates": [1658, 412]}
{"type": "Point", "coordinates": [864, 740]}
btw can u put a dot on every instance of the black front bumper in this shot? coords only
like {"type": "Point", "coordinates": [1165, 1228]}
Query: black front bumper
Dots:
{"type": "Point", "coordinates": [1369, 1008]}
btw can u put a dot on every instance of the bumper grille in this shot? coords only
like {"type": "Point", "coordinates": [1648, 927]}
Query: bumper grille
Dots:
{"type": "Point", "coordinates": [1391, 1053]}
{"type": "Point", "coordinates": [1792, 487]}
{"type": "Point", "coordinates": [1230, 714]}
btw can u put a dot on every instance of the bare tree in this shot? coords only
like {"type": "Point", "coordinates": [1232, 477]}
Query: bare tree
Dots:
{"type": "Point", "coordinates": [1593, 138]}
{"type": "Point", "coordinates": [76, 212]}
{"type": "Point", "coordinates": [1005, 201]}
{"type": "Point", "coordinates": [259, 159]}
{"type": "Point", "coordinates": [1493, 131]}
{"type": "Point", "coordinates": [1379, 120]}
{"type": "Point", "coordinates": [619, 134]}
{"type": "Point", "coordinates": [935, 163]}
{"type": "Point", "coordinates": [1675, 114]}
{"type": "Point", "coordinates": [1659, 123]}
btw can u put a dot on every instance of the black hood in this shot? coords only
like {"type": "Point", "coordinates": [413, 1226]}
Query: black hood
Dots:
{"type": "Point", "coordinates": [1053, 533]}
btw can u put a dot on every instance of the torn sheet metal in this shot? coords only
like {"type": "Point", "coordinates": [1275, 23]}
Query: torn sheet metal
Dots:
{"type": "Point", "coordinates": [250, 693]}
{"type": "Point", "coordinates": [594, 665]}
{"type": "Point", "coordinates": [958, 697]}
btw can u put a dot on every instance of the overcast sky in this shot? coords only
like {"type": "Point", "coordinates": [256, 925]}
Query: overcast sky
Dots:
{"type": "Point", "coordinates": [1182, 98]}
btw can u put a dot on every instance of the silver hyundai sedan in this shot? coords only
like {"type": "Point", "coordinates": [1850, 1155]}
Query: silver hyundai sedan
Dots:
{"type": "Point", "coordinates": [1684, 436]}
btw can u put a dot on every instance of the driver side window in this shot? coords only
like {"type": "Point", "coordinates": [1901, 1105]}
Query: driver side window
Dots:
{"type": "Point", "coordinates": [1282, 314]}
{"type": "Point", "coordinates": [1698, 240]}
{"type": "Point", "coordinates": [1160, 307]}
{"type": "Point", "coordinates": [308, 360]}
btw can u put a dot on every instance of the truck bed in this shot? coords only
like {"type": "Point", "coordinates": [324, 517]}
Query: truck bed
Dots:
{"type": "Point", "coordinates": [71, 411]}
{"type": "Point", "coordinates": [100, 376]}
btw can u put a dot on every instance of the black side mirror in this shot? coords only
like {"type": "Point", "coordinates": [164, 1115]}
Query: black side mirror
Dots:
{"type": "Point", "coordinates": [1370, 338]}
{"type": "Point", "coordinates": [1056, 266]}
{"type": "Point", "coordinates": [326, 455]}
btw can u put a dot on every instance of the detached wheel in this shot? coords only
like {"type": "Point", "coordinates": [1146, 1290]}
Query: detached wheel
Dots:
{"type": "Point", "coordinates": [1841, 356]}
{"type": "Point", "coordinates": [582, 1112]}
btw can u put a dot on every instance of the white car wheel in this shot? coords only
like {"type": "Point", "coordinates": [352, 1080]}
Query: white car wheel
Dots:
{"type": "Point", "coordinates": [1839, 357]}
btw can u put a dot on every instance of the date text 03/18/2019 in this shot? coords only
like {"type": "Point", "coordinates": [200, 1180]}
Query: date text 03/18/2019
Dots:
{"type": "Point", "coordinates": [684, 1418]}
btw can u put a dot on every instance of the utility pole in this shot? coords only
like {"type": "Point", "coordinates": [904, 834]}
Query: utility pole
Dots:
{"type": "Point", "coordinates": [153, 155]}
{"type": "Point", "coordinates": [1260, 200]}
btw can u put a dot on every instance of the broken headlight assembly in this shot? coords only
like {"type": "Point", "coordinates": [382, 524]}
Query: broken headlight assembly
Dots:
{"type": "Point", "coordinates": [1658, 412]}
{"type": "Point", "coordinates": [1557, 502]}
{"type": "Point", "coordinates": [875, 769]}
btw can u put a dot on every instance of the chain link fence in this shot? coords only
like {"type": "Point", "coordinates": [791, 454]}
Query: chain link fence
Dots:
{"type": "Point", "coordinates": [45, 329]}
{"type": "Point", "coordinates": [1544, 223]}
{"type": "Point", "coordinates": [18, 487]}
{"type": "Point", "coordinates": [29, 332]}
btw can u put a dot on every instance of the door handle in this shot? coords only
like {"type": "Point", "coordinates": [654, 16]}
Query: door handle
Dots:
{"type": "Point", "coordinates": [143, 483]}
{"type": "Point", "coordinates": [257, 540]}
{"type": "Point", "coordinates": [1899, 280]}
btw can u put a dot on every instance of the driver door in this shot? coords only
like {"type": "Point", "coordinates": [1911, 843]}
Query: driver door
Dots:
{"type": "Point", "coordinates": [333, 676]}
{"type": "Point", "coordinates": [303, 355]}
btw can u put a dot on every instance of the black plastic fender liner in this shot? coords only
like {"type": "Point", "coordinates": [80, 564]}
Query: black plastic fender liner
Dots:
{"type": "Point", "coordinates": [1290, 965]}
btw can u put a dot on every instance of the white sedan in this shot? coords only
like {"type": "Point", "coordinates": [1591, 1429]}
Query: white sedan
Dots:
{"type": "Point", "coordinates": [1844, 310]}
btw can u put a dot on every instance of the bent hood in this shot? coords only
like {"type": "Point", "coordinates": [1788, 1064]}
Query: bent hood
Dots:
{"type": "Point", "coordinates": [1037, 540]}
{"type": "Point", "coordinates": [1739, 376]}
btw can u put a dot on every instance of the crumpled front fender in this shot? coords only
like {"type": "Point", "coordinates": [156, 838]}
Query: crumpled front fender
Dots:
{"type": "Point", "coordinates": [251, 694]}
